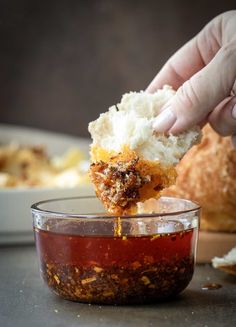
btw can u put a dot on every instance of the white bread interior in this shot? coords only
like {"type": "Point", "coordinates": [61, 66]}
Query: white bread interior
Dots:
{"type": "Point", "coordinates": [228, 260]}
{"type": "Point", "coordinates": [130, 123]}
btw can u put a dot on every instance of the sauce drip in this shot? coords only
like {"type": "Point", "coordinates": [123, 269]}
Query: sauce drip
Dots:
{"type": "Point", "coordinates": [211, 286]}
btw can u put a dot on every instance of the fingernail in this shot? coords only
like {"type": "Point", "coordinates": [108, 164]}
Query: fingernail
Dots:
{"type": "Point", "coordinates": [234, 112]}
{"type": "Point", "coordinates": [234, 141]}
{"type": "Point", "coordinates": [164, 121]}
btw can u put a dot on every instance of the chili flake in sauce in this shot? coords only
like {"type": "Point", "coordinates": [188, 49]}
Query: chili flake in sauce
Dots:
{"type": "Point", "coordinates": [116, 269]}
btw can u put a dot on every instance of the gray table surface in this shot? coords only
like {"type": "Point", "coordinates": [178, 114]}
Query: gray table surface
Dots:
{"type": "Point", "coordinates": [25, 301]}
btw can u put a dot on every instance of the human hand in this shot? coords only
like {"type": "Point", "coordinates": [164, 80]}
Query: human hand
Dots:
{"type": "Point", "coordinates": [203, 72]}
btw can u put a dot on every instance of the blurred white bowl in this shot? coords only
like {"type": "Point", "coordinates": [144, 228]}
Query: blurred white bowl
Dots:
{"type": "Point", "coordinates": [15, 215]}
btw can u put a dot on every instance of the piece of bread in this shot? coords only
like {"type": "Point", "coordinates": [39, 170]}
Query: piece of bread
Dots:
{"type": "Point", "coordinates": [207, 174]}
{"type": "Point", "coordinates": [130, 163]}
{"type": "Point", "coordinates": [227, 263]}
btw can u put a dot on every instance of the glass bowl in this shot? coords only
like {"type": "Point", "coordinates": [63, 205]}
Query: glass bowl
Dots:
{"type": "Point", "coordinates": [87, 255]}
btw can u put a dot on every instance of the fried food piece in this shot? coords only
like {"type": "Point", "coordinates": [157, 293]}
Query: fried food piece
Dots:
{"type": "Point", "coordinates": [125, 179]}
{"type": "Point", "coordinates": [130, 161]}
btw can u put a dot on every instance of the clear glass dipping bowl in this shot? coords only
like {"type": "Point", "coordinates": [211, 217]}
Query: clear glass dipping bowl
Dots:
{"type": "Point", "coordinates": [87, 255]}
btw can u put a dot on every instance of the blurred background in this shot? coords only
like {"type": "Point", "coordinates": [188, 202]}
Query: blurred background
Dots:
{"type": "Point", "coordinates": [64, 62]}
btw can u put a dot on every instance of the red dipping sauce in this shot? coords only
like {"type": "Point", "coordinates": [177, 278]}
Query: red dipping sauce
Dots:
{"type": "Point", "coordinates": [116, 260]}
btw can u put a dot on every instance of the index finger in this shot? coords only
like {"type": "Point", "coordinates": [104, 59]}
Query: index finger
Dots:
{"type": "Point", "coordinates": [188, 60]}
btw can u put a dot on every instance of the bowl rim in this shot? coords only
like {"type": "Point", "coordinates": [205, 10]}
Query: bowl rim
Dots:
{"type": "Point", "coordinates": [63, 215]}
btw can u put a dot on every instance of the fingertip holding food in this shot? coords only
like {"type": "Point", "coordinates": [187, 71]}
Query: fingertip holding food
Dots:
{"type": "Point", "coordinates": [234, 112]}
{"type": "Point", "coordinates": [234, 140]}
{"type": "Point", "coordinates": [164, 121]}
{"type": "Point", "coordinates": [234, 117]}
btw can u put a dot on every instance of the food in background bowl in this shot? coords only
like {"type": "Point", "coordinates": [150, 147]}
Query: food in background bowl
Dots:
{"type": "Point", "coordinates": [16, 219]}
{"type": "Point", "coordinates": [90, 256]}
{"type": "Point", "coordinates": [26, 166]}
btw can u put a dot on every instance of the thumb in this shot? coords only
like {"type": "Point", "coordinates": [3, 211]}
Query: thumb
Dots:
{"type": "Point", "coordinates": [199, 95]}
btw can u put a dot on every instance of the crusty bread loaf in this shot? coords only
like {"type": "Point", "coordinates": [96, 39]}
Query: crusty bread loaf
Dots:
{"type": "Point", "coordinates": [207, 174]}
{"type": "Point", "coordinates": [130, 162]}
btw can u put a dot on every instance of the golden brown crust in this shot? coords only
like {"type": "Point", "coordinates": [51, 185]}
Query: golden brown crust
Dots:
{"type": "Point", "coordinates": [121, 180]}
{"type": "Point", "coordinates": [207, 174]}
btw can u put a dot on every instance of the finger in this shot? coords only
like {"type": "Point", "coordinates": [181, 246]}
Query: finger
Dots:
{"type": "Point", "coordinates": [198, 96]}
{"type": "Point", "coordinates": [223, 118]}
{"type": "Point", "coordinates": [234, 141]}
{"type": "Point", "coordinates": [189, 59]}
{"type": "Point", "coordinates": [178, 69]}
